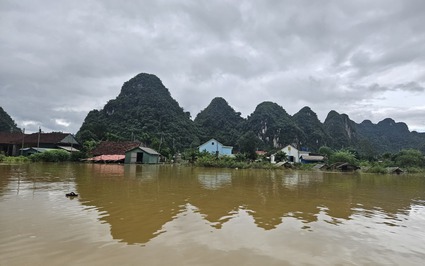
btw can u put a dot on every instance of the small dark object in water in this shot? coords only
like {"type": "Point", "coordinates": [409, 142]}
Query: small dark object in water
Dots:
{"type": "Point", "coordinates": [72, 194]}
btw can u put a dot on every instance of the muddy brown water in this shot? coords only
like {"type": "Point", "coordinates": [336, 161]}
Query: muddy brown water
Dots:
{"type": "Point", "coordinates": [177, 215]}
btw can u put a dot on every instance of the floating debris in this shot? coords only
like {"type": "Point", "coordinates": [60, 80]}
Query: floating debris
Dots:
{"type": "Point", "coordinates": [72, 194]}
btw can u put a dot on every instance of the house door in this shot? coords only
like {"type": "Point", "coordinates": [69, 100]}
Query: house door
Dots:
{"type": "Point", "coordinates": [139, 157]}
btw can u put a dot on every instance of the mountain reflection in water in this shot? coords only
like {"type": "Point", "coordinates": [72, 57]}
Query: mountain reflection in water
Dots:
{"type": "Point", "coordinates": [137, 201]}
{"type": "Point", "coordinates": [176, 215]}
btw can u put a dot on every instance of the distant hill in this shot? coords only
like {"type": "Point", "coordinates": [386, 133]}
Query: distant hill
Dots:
{"type": "Point", "coordinates": [6, 122]}
{"type": "Point", "coordinates": [389, 136]}
{"type": "Point", "coordinates": [341, 129]}
{"type": "Point", "coordinates": [145, 111]}
{"type": "Point", "coordinates": [274, 126]}
{"type": "Point", "coordinates": [219, 121]}
{"type": "Point", "coordinates": [315, 134]}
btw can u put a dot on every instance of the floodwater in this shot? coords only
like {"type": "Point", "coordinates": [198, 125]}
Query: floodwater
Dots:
{"type": "Point", "coordinates": [176, 215]}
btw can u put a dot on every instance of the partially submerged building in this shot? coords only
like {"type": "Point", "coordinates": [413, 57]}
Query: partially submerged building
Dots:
{"type": "Point", "coordinates": [142, 155]}
{"type": "Point", "coordinates": [395, 170]}
{"type": "Point", "coordinates": [293, 155]}
{"type": "Point", "coordinates": [18, 143]}
{"type": "Point", "coordinates": [311, 159]}
{"type": "Point", "coordinates": [214, 147]}
{"type": "Point", "coordinates": [344, 167]}
{"type": "Point", "coordinates": [124, 152]}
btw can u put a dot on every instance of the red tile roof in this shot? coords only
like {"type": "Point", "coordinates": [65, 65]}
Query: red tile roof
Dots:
{"type": "Point", "coordinates": [53, 137]}
{"type": "Point", "coordinates": [114, 147]}
{"type": "Point", "coordinates": [10, 138]}
{"type": "Point", "coordinates": [16, 138]}
{"type": "Point", "coordinates": [107, 158]}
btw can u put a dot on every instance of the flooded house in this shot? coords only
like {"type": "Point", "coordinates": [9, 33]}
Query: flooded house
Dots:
{"type": "Point", "coordinates": [124, 152]}
{"type": "Point", "coordinates": [142, 155]}
{"type": "Point", "coordinates": [214, 147]}
{"type": "Point", "coordinates": [17, 143]}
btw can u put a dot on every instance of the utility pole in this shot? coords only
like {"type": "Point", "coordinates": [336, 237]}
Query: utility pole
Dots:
{"type": "Point", "coordinates": [23, 140]}
{"type": "Point", "coordinates": [38, 139]}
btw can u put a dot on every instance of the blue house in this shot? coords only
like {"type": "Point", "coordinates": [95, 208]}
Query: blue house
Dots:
{"type": "Point", "coordinates": [215, 147]}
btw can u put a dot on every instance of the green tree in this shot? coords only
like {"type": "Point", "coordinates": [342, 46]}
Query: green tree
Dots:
{"type": "Point", "coordinates": [280, 156]}
{"type": "Point", "coordinates": [343, 156]}
{"type": "Point", "coordinates": [89, 145]}
{"type": "Point", "coordinates": [326, 151]}
{"type": "Point", "coordinates": [410, 158]}
{"type": "Point", "coordinates": [248, 144]}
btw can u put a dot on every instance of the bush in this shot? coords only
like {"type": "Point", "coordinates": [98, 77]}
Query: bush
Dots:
{"type": "Point", "coordinates": [280, 156]}
{"type": "Point", "coordinates": [414, 170]}
{"type": "Point", "coordinates": [13, 159]}
{"type": "Point", "coordinates": [377, 169]}
{"type": "Point", "coordinates": [343, 156]}
{"type": "Point", "coordinates": [51, 156]}
{"type": "Point", "coordinates": [410, 158]}
{"type": "Point", "coordinates": [77, 156]}
{"type": "Point", "coordinates": [210, 160]}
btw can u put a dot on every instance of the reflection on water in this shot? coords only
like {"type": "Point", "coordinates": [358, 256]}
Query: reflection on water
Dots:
{"type": "Point", "coordinates": [144, 203]}
{"type": "Point", "coordinates": [215, 180]}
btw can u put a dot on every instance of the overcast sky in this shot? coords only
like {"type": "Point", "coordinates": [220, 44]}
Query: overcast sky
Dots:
{"type": "Point", "coordinates": [61, 59]}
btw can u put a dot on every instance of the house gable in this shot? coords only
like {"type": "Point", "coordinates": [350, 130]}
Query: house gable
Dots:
{"type": "Point", "coordinates": [69, 140]}
{"type": "Point", "coordinates": [143, 155]}
{"type": "Point", "coordinates": [215, 147]}
{"type": "Point", "coordinates": [292, 153]}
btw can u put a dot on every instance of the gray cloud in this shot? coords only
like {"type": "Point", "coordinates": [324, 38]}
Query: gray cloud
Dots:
{"type": "Point", "coordinates": [62, 59]}
{"type": "Point", "coordinates": [410, 87]}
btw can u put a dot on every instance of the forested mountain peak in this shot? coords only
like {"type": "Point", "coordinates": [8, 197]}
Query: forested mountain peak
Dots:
{"type": "Point", "coordinates": [331, 115]}
{"type": "Point", "coordinates": [144, 111]}
{"type": "Point", "coordinates": [341, 129]}
{"type": "Point", "coordinates": [7, 124]}
{"type": "Point", "coordinates": [315, 134]}
{"type": "Point", "coordinates": [219, 102]}
{"type": "Point", "coordinates": [270, 108]}
{"type": "Point", "coordinates": [306, 111]}
{"type": "Point", "coordinates": [366, 122]}
{"type": "Point", "coordinates": [143, 83]}
{"type": "Point", "coordinates": [218, 106]}
{"type": "Point", "coordinates": [220, 121]}
{"type": "Point", "coordinates": [388, 135]}
{"type": "Point", "coordinates": [274, 126]}
{"type": "Point", "coordinates": [390, 123]}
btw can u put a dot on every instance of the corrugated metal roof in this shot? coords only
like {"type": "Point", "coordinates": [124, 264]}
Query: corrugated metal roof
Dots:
{"type": "Point", "coordinates": [70, 149]}
{"type": "Point", "coordinates": [312, 158]}
{"type": "Point", "coordinates": [149, 150]}
{"type": "Point", "coordinates": [38, 149]}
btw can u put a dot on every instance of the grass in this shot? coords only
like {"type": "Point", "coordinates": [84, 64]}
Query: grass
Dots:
{"type": "Point", "coordinates": [14, 159]}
